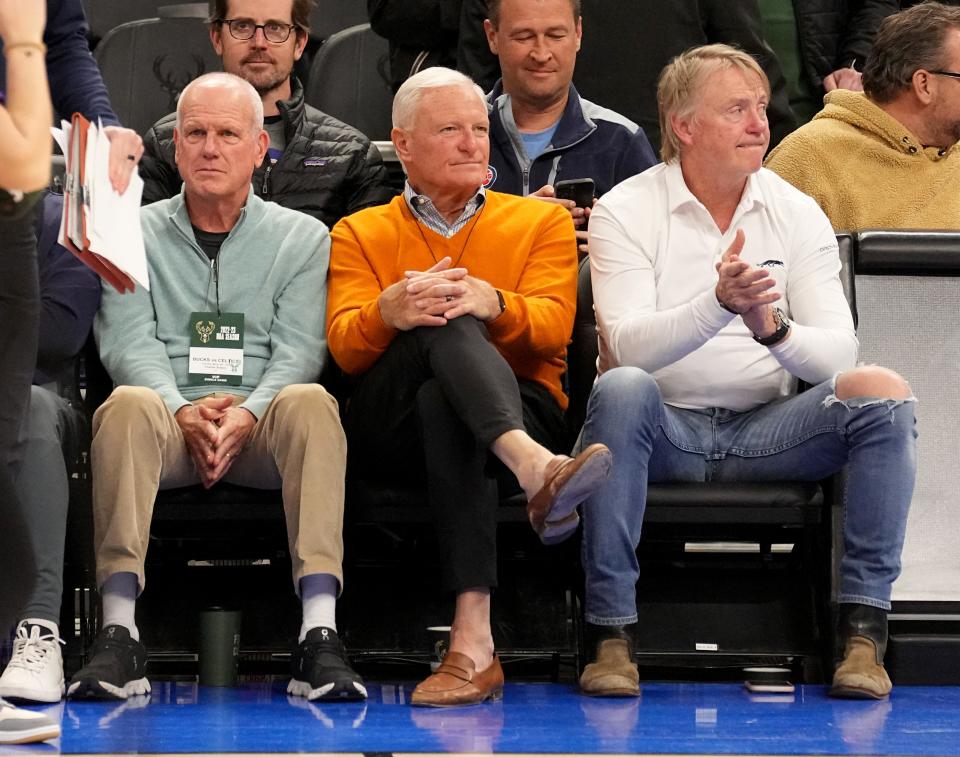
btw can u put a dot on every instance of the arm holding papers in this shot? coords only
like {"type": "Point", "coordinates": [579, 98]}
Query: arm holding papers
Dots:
{"type": "Point", "coordinates": [99, 225]}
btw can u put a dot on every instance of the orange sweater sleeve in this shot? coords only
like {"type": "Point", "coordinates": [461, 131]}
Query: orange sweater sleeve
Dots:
{"type": "Point", "coordinates": [538, 320]}
{"type": "Point", "coordinates": [356, 333]}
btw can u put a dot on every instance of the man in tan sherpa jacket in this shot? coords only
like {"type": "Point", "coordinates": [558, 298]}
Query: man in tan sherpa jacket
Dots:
{"type": "Point", "coordinates": [887, 157]}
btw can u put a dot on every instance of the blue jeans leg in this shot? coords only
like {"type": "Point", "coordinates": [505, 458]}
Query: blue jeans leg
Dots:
{"type": "Point", "coordinates": [812, 436]}
{"type": "Point", "coordinates": [625, 412]}
{"type": "Point", "coordinates": [807, 437]}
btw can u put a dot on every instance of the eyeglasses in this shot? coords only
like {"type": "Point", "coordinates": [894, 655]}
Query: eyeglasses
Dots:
{"type": "Point", "coordinates": [951, 74]}
{"type": "Point", "coordinates": [244, 29]}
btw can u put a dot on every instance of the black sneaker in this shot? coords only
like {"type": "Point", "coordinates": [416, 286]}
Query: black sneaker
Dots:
{"type": "Point", "coordinates": [117, 668]}
{"type": "Point", "coordinates": [321, 671]}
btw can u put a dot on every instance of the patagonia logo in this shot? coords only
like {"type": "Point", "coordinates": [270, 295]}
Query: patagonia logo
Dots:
{"type": "Point", "coordinates": [314, 162]}
{"type": "Point", "coordinates": [490, 178]}
{"type": "Point", "coordinates": [771, 264]}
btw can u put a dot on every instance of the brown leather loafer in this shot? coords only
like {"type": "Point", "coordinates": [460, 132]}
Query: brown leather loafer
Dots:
{"type": "Point", "coordinates": [457, 682]}
{"type": "Point", "coordinates": [552, 511]}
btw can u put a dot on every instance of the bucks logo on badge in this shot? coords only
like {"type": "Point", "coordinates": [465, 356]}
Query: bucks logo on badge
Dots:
{"type": "Point", "coordinates": [205, 330]}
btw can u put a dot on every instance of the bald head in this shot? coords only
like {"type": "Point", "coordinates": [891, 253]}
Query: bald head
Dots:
{"type": "Point", "coordinates": [227, 86]}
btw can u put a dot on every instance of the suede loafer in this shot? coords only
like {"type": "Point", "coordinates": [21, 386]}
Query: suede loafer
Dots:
{"type": "Point", "coordinates": [568, 481]}
{"type": "Point", "coordinates": [457, 683]}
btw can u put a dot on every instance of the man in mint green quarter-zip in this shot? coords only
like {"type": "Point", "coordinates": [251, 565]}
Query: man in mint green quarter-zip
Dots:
{"type": "Point", "coordinates": [214, 369]}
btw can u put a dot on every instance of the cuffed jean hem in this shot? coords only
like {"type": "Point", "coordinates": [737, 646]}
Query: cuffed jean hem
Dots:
{"type": "Point", "coordinates": [626, 620]}
{"type": "Point", "coordinates": [859, 599]}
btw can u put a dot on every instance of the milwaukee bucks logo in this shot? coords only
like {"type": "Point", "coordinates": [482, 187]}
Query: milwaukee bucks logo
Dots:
{"type": "Point", "coordinates": [205, 330]}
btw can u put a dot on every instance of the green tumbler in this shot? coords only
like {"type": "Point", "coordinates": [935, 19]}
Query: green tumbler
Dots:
{"type": "Point", "coordinates": [219, 646]}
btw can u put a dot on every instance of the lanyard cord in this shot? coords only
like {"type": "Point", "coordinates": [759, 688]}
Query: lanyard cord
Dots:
{"type": "Point", "coordinates": [215, 275]}
{"type": "Point", "coordinates": [474, 221]}
{"type": "Point", "coordinates": [216, 279]}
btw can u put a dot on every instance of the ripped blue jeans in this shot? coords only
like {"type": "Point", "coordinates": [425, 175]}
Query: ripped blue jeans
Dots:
{"type": "Point", "coordinates": [806, 437]}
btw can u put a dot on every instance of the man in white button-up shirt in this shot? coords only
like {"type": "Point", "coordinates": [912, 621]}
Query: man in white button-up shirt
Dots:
{"type": "Point", "coordinates": [716, 287]}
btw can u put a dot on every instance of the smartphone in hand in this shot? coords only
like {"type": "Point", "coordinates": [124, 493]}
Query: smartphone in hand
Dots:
{"type": "Point", "coordinates": [578, 190]}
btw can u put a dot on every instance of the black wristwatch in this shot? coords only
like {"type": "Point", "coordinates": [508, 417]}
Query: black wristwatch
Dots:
{"type": "Point", "coordinates": [783, 326]}
{"type": "Point", "coordinates": [501, 301]}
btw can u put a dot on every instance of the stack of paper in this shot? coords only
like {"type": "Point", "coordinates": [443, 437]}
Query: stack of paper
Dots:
{"type": "Point", "coordinates": [100, 226]}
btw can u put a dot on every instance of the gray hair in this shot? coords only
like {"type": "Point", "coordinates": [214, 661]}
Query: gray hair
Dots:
{"type": "Point", "coordinates": [407, 99]}
{"type": "Point", "coordinates": [221, 79]}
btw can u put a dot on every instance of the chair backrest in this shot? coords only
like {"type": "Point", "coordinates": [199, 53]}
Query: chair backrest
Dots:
{"type": "Point", "coordinates": [583, 350]}
{"type": "Point", "coordinates": [909, 289]}
{"type": "Point", "coordinates": [104, 15]}
{"type": "Point", "coordinates": [349, 80]}
{"type": "Point", "coordinates": [331, 16]}
{"type": "Point", "coordinates": [146, 64]}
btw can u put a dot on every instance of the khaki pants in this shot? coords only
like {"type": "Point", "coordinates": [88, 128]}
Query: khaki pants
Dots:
{"type": "Point", "coordinates": [298, 445]}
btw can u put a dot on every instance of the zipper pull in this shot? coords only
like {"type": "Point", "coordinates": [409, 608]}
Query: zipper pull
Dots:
{"type": "Point", "coordinates": [265, 188]}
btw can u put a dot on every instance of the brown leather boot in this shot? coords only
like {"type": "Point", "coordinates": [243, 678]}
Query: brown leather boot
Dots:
{"type": "Point", "coordinates": [860, 674]}
{"type": "Point", "coordinates": [613, 672]}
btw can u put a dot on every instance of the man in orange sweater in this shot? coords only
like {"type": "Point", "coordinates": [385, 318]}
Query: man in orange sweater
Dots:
{"type": "Point", "coordinates": [454, 306]}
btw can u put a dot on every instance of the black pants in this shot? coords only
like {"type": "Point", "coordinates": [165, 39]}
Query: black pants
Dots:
{"type": "Point", "coordinates": [19, 313]}
{"type": "Point", "coordinates": [427, 412]}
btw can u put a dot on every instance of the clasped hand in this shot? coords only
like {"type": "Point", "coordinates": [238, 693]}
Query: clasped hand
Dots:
{"type": "Point", "coordinates": [745, 289]}
{"type": "Point", "coordinates": [215, 431]}
{"type": "Point", "coordinates": [435, 296]}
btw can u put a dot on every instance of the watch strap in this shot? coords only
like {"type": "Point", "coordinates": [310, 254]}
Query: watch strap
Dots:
{"type": "Point", "coordinates": [783, 326]}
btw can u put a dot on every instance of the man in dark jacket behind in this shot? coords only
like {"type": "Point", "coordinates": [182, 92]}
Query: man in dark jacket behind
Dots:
{"type": "Point", "coordinates": [822, 45]}
{"type": "Point", "coordinates": [316, 164]}
{"type": "Point", "coordinates": [627, 44]}
{"type": "Point", "coordinates": [541, 130]}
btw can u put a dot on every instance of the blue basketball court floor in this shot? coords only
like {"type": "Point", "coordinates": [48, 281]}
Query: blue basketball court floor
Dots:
{"type": "Point", "coordinates": [669, 718]}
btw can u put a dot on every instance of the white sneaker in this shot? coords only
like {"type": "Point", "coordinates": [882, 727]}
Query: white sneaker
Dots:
{"type": "Point", "coordinates": [19, 726]}
{"type": "Point", "coordinates": [35, 671]}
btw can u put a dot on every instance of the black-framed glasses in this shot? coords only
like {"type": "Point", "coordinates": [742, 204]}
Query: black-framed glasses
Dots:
{"type": "Point", "coordinates": [244, 29]}
{"type": "Point", "coordinates": [951, 74]}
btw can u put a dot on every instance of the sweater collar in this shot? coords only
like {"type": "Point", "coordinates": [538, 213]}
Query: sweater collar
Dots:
{"type": "Point", "coordinates": [178, 215]}
{"type": "Point", "coordinates": [856, 109]}
{"type": "Point", "coordinates": [573, 125]}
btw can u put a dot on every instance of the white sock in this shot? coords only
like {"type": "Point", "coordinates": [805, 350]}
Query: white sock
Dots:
{"type": "Point", "coordinates": [318, 592]}
{"type": "Point", "coordinates": [119, 594]}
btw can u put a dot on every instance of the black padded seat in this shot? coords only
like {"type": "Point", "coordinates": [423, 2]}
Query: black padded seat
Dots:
{"type": "Point", "coordinates": [222, 502]}
{"type": "Point", "coordinates": [781, 503]}
{"type": "Point", "coordinates": [146, 64]}
{"type": "Point", "coordinates": [377, 502]}
{"type": "Point", "coordinates": [348, 80]}
{"type": "Point", "coordinates": [330, 16]}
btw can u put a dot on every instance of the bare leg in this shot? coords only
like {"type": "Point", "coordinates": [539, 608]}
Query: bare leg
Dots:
{"type": "Point", "coordinates": [470, 633]}
{"type": "Point", "coordinates": [525, 458]}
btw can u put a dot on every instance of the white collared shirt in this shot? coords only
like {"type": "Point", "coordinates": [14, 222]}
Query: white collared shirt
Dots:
{"type": "Point", "coordinates": [653, 252]}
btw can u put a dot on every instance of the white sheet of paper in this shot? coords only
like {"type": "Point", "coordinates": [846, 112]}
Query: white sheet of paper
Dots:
{"type": "Point", "coordinates": [117, 218]}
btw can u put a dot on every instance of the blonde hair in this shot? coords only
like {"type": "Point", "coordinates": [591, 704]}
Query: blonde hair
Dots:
{"type": "Point", "coordinates": [681, 86]}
